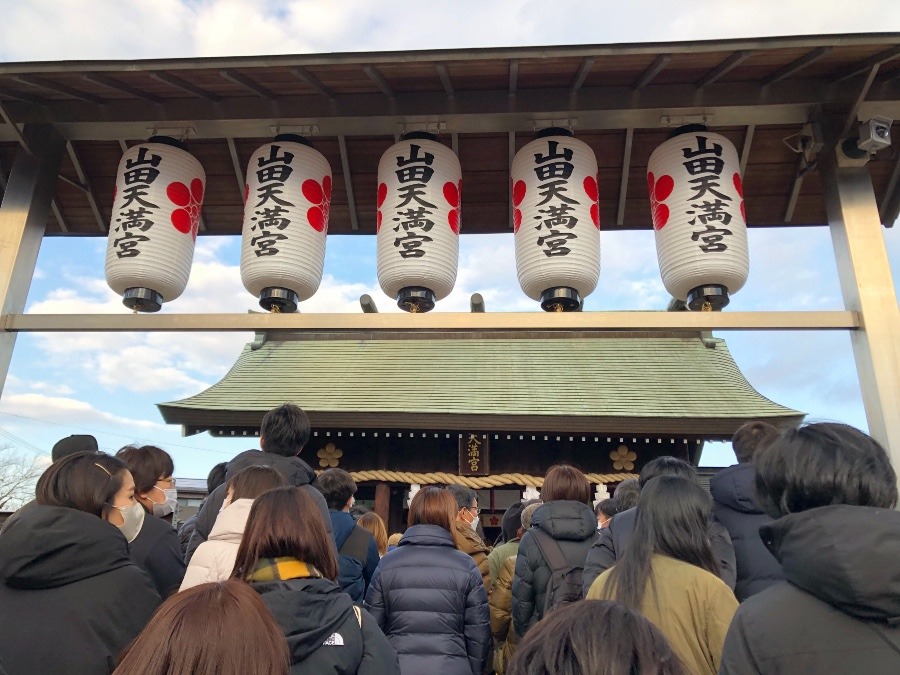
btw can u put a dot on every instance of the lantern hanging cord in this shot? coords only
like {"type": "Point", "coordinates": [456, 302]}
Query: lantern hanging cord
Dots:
{"type": "Point", "coordinates": [276, 309]}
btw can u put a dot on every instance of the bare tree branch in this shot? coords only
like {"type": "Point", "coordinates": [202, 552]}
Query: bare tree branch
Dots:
{"type": "Point", "coordinates": [19, 472]}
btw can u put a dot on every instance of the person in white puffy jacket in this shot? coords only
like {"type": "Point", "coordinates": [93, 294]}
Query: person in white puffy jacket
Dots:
{"type": "Point", "coordinates": [214, 559]}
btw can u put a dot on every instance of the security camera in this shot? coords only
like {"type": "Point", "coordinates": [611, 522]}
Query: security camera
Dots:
{"type": "Point", "coordinates": [874, 134]}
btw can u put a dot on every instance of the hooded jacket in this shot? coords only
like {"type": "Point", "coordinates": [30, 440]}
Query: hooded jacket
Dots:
{"type": "Point", "coordinates": [322, 629]}
{"type": "Point", "coordinates": [614, 539]}
{"type": "Point", "coordinates": [429, 600]}
{"type": "Point", "coordinates": [838, 610]}
{"type": "Point", "coordinates": [574, 527]}
{"type": "Point", "coordinates": [70, 597]}
{"type": "Point", "coordinates": [214, 558]}
{"type": "Point", "coordinates": [734, 505]}
{"type": "Point", "coordinates": [297, 473]}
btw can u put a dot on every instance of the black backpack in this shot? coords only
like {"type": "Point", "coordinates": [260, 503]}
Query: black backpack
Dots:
{"type": "Point", "coordinates": [564, 585]}
{"type": "Point", "coordinates": [351, 562]}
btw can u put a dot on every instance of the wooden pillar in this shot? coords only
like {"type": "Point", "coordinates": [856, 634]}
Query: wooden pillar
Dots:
{"type": "Point", "coordinates": [383, 500]}
{"type": "Point", "coordinates": [865, 275]}
{"type": "Point", "coordinates": [23, 219]}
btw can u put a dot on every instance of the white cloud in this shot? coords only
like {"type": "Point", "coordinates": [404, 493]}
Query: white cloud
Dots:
{"type": "Point", "coordinates": [110, 29]}
{"type": "Point", "coordinates": [61, 410]}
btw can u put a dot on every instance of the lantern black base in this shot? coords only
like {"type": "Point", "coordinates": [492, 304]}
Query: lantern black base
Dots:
{"type": "Point", "coordinates": [714, 294]}
{"type": "Point", "coordinates": [415, 299]}
{"type": "Point", "coordinates": [561, 299]}
{"type": "Point", "coordinates": [142, 299]}
{"type": "Point", "coordinates": [281, 300]}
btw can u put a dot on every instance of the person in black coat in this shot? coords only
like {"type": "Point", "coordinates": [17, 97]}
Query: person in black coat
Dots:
{"type": "Point", "coordinates": [157, 548]}
{"type": "Point", "coordinates": [569, 520]}
{"type": "Point", "coordinates": [357, 552]}
{"type": "Point", "coordinates": [428, 597]}
{"type": "Point", "coordinates": [289, 559]}
{"type": "Point", "coordinates": [70, 597]}
{"type": "Point", "coordinates": [735, 506]}
{"type": "Point", "coordinates": [282, 435]}
{"type": "Point", "coordinates": [837, 537]}
{"type": "Point", "coordinates": [614, 539]}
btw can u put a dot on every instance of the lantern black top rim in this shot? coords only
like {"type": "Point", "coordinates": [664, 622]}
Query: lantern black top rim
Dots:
{"type": "Point", "coordinates": [687, 129]}
{"type": "Point", "coordinates": [418, 136]}
{"type": "Point", "coordinates": [167, 140]}
{"type": "Point", "coordinates": [554, 131]}
{"type": "Point", "coordinates": [293, 138]}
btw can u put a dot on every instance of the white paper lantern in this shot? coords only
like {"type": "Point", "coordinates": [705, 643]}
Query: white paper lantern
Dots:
{"type": "Point", "coordinates": [556, 219]}
{"type": "Point", "coordinates": [155, 215]}
{"type": "Point", "coordinates": [697, 203]}
{"type": "Point", "coordinates": [287, 198]}
{"type": "Point", "coordinates": [418, 220]}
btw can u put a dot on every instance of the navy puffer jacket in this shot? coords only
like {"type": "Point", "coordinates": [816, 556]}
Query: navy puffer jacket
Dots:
{"type": "Point", "coordinates": [430, 601]}
{"type": "Point", "coordinates": [735, 506]}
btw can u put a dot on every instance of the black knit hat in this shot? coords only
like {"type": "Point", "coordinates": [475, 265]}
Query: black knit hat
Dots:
{"type": "Point", "coordinates": [512, 521]}
{"type": "Point", "coordinates": [72, 444]}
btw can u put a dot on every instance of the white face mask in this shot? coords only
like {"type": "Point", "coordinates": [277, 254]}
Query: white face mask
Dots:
{"type": "Point", "coordinates": [474, 523]}
{"type": "Point", "coordinates": [169, 505]}
{"type": "Point", "coordinates": [134, 520]}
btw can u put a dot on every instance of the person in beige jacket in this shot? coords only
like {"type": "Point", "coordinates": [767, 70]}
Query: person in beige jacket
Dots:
{"type": "Point", "coordinates": [214, 558]}
{"type": "Point", "coordinates": [668, 573]}
{"type": "Point", "coordinates": [467, 539]}
{"type": "Point", "coordinates": [505, 638]}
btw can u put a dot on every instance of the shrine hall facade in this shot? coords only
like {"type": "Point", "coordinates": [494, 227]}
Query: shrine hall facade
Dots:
{"type": "Point", "coordinates": [491, 412]}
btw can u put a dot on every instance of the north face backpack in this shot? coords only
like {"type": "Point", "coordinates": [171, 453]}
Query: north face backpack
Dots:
{"type": "Point", "coordinates": [564, 585]}
{"type": "Point", "coordinates": [351, 562]}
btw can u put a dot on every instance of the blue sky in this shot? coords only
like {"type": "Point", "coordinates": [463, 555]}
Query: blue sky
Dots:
{"type": "Point", "coordinates": [108, 384]}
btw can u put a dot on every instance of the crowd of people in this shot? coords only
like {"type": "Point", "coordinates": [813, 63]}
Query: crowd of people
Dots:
{"type": "Point", "coordinates": [790, 563]}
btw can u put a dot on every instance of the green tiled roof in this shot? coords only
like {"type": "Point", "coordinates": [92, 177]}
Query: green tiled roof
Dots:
{"type": "Point", "coordinates": [627, 384]}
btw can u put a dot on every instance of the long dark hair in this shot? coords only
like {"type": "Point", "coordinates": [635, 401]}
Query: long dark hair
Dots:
{"type": "Point", "coordinates": [597, 637]}
{"type": "Point", "coordinates": [285, 522]}
{"type": "Point", "coordinates": [672, 520]}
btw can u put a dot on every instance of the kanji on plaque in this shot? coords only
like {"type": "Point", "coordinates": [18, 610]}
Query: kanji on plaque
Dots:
{"type": "Point", "coordinates": [474, 455]}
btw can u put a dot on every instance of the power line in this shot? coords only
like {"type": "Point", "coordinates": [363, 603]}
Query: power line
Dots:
{"type": "Point", "coordinates": [21, 441]}
{"type": "Point", "coordinates": [106, 433]}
